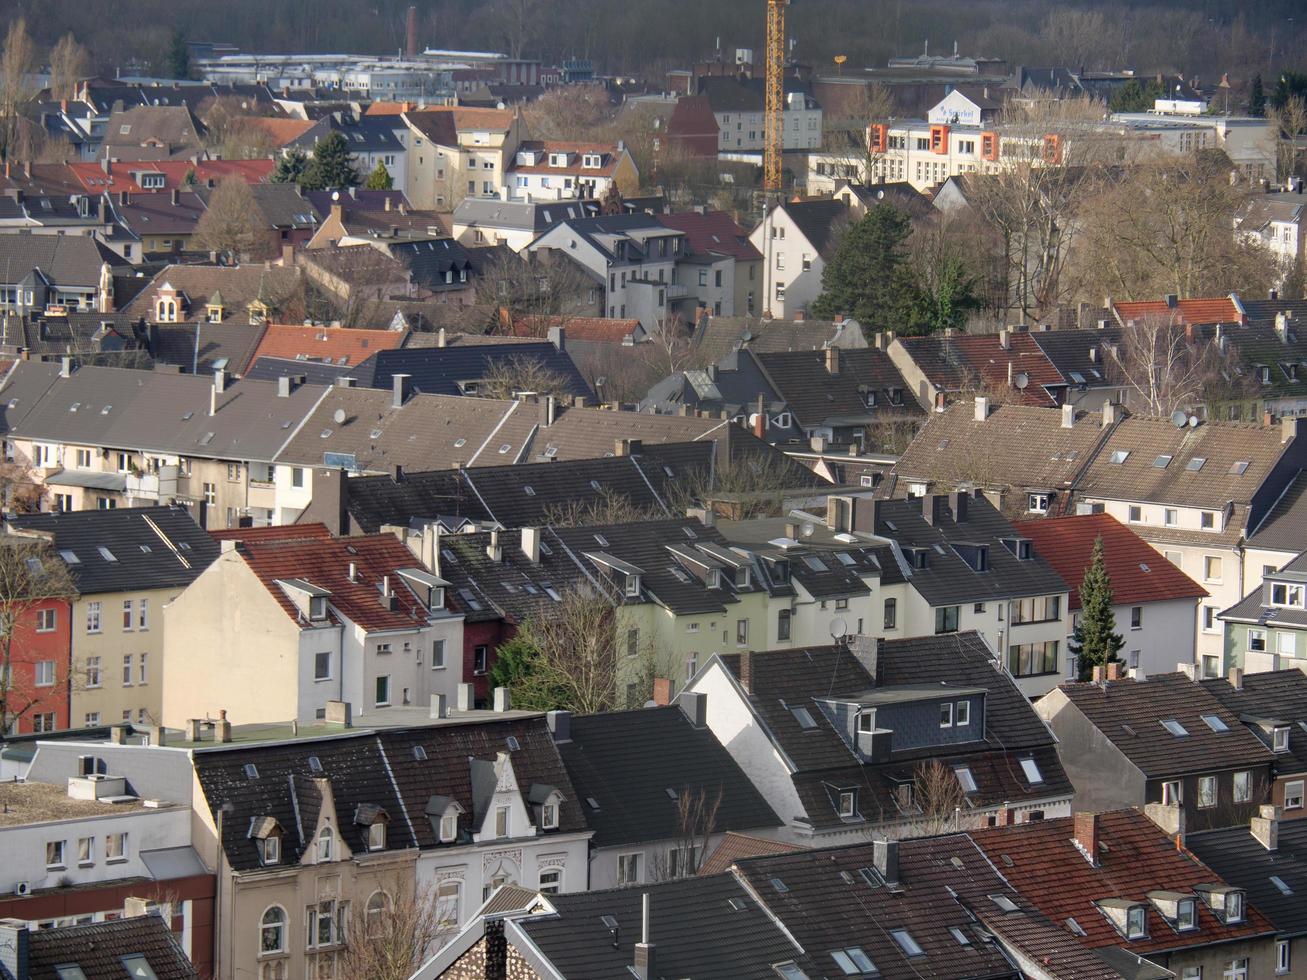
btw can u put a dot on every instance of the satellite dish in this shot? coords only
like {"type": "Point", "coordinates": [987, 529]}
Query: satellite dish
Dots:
{"type": "Point", "coordinates": [1193, 421]}
{"type": "Point", "coordinates": [339, 416]}
{"type": "Point", "coordinates": [838, 629]}
{"type": "Point", "coordinates": [1179, 419]}
{"type": "Point", "coordinates": [807, 530]}
{"type": "Point", "coordinates": [335, 195]}
{"type": "Point", "coordinates": [880, 195]}
{"type": "Point", "coordinates": [1021, 380]}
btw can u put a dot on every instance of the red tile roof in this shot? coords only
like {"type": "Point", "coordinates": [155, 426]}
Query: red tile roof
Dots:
{"type": "Point", "coordinates": [609, 155]}
{"type": "Point", "coordinates": [735, 847]}
{"type": "Point", "coordinates": [964, 361]}
{"type": "Point", "coordinates": [325, 563]}
{"type": "Point", "coordinates": [1135, 857]}
{"type": "Point", "coordinates": [713, 232]}
{"type": "Point", "coordinates": [331, 345]}
{"type": "Point", "coordinates": [282, 131]}
{"type": "Point", "coordinates": [1219, 309]}
{"type": "Point", "coordinates": [596, 329]}
{"type": "Point", "coordinates": [93, 178]}
{"type": "Point", "coordinates": [273, 532]}
{"type": "Point", "coordinates": [1138, 573]}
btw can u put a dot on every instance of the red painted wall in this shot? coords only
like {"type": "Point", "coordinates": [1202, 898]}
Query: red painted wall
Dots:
{"type": "Point", "coordinates": [31, 647]}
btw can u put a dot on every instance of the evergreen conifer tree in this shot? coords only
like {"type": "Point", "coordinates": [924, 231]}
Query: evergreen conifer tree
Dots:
{"type": "Point", "coordinates": [379, 179]}
{"type": "Point", "coordinates": [290, 167]}
{"type": "Point", "coordinates": [330, 166]}
{"type": "Point", "coordinates": [1095, 644]}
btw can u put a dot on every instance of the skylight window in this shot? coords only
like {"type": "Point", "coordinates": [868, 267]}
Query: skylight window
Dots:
{"type": "Point", "coordinates": [1031, 769]}
{"type": "Point", "coordinates": [853, 961]}
{"type": "Point", "coordinates": [419, 753]}
{"type": "Point", "coordinates": [504, 448]}
{"type": "Point", "coordinates": [460, 443]}
{"type": "Point", "coordinates": [1120, 456]}
{"type": "Point", "coordinates": [804, 717]}
{"type": "Point", "coordinates": [1279, 883]}
{"type": "Point", "coordinates": [1074, 927]}
{"type": "Point", "coordinates": [845, 558]}
{"type": "Point", "coordinates": [1215, 723]}
{"type": "Point", "coordinates": [779, 885]}
{"type": "Point", "coordinates": [315, 764]}
{"type": "Point", "coordinates": [601, 540]}
{"type": "Point", "coordinates": [1003, 902]}
{"type": "Point", "coordinates": [1238, 468]}
{"type": "Point", "coordinates": [962, 938]}
{"type": "Point", "coordinates": [815, 563]}
{"type": "Point", "coordinates": [1195, 464]}
{"type": "Point", "coordinates": [1162, 461]}
{"type": "Point", "coordinates": [966, 779]}
{"type": "Point", "coordinates": [592, 802]}
{"type": "Point", "coordinates": [513, 744]}
{"type": "Point", "coordinates": [1174, 727]}
{"type": "Point", "coordinates": [251, 770]}
{"type": "Point", "coordinates": [907, 943]}
{"type": "Point", "coordinates": [105, 553]}
{"type": "Point", "coordinates": [70, 557]}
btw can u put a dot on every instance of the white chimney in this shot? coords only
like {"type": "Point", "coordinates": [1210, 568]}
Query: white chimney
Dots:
{"type": "Point", "coordinates": [1068, 416]}
{"type": "Point", "coordinates": [982, 408]}
{"type": "Point", "coordinates": [531, 544]}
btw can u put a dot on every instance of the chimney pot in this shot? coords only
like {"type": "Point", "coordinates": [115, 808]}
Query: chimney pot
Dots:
{"type": "Point", "coordinates": [1114, 670]}
{"type": "Point", "coordinates": [1236, 678]}
{"type": "Point", "coordinates": [560, 724]}
{"type": "Point", "coordinates": [465, 697]}
{"type": "Point", "coordinates": [1068, 416]}
{"type": "Point", "coordinates": [1265, 827]}
{"type": "Point", "coordinates": [439, 706]}
{"type": "Point", "coordinates": [283, 386]}
{"type": "Point", "coordinates": [662, 691]}
{"type": "Point", "coordinates": [1086, 830]}
{"type": "Point", "coordinates": [502, 700]}
{"type": "Point", "coordinates": [982, 408]}
{"type": "Point", "coordinates": [399, 389]}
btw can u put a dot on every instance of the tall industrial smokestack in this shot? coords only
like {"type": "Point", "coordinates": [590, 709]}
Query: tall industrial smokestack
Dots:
{"type": "Point", "coordinates": [411, 33]}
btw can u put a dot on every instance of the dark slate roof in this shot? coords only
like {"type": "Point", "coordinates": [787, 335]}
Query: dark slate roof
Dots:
{"type": "Point", "coordinates": [944, 884]}
{"type": "Point", "coordinates": [1284, 528]}
{"type": "Point", "coordinates": [152, 547]}
{"type": "Point", "coordinates": [377, 768]}
{"type": "Point", "coordinates": [815, 395]}
{"type": "Point", "coordinates": [199, 347]}
{"type": "Point", "coordinates": [438, 370]}
{"type": "Point", "coordinates": [313, 372]}
{"type": "Point", "coordinates": [696, 929]}
{"type": "Point", "coordinates": [633, 764]}
{"type": "Point", "coordinates": [1130, 713]}
{"type": "Point", "coordinates": [99, 948]}
{"type": "Point", "coordinates": [784, 679]}
{"type": "Point", "coordinates": [82, 335]}
{"type": "Point", "coordinates": [1279, 695]}
{"type": "Point", "coordinates": [947, 578]}
{"type": "Point", "coordinates": [66, 260]}
{"type": "Point", "coordinates": [1243, 861]}
{"type": "Point", "coordinates": [1069, 350]}
{"type": "Point", "coordinates": [1256, 607]}
{"type": "Point", "coordinates": [817, 221]}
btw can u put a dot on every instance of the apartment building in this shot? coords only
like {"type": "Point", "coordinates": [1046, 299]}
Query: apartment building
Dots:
{"type": "Point", "coordinates": [127, 565]}
{"type": "Point", "coordinates": [737, 105]}
{"type": "Point", "coordinates": [457, 152]}
{"type": "Point", "coordinates": [796, 239]}
{"type": "Point", "coordinates": [544, 170]}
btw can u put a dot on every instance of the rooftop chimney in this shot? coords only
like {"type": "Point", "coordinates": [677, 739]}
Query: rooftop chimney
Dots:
{"type": "Point", "coordinates": [931, 504]}
{"type": "Point", "coordinates": [558, 337]}
{"type": "Point", "coordinates": [1236, 678]}
{"type": "Point", "coordinates": [982, 408]}
{"type": "Point", "coordinates": [1068, 416]}
{"type": "Point", "coordinates": [531, 544]}
{"type": "Point", "coordinates": [213, 400]}
{"type": "Point", "coordinates": [1005, 338]}
{"type": "Point", "coordinates": [1172, 301]}
{"type": "Point", "coordinates": [662, 691]}
{"type": "Point", "coordinates": [560, 725]}
{"type": "Point", "coordinates": [219, 380]}
{"type": "Point", "coordinates": [694, 704]}
{"type": "Point", "coordinates": [65, 367]}
{"type": "Point", "coordinates": [1265, 827]}
{"type": "Point", "coordinates": [283, 386]}
{"type": "Point", "coordinates": [746, 671]}
{"type": "Point", "coordinates": [440, 706]}
{"type": "Point", "coordinates": [645, 967]}
{"type": "Point", "coordinates": [441, 339]}
{"type": "Point", "coordinates": [400, 388]}
{"type": "Point", "coordinates": [465, 697]}
{"type": "Point", "coordinates": [886, 858]}
{"type": "Point", "coordinates": [494, 550]}
{"type": "Point", "coordinates": [1114, 670]}
{"type": "Point", "coordinates": [502, 701]}
{"type": "Point", "coordinates": [1086, 839]}
{"type": "Point", "coordinates": [1109, 414]}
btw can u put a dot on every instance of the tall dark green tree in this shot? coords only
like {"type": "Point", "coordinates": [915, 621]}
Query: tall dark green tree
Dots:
{"type": "Point", "coordinates": [1096, 642]}
{"type": "Point", "coordinates": [330, 166]}
{"type": "Point", "coordinates": [868, 277]}
{"type": "Point", "coordinates": [379, 179]}
{"type": "Point", "coordinates": [1256, 97]}
{"type": "Point", "coordinates": [945, 296]}
{"type": "Point", "coordinates": [178, 61]}
{"type": "Point", "coordinates": [290, 167]}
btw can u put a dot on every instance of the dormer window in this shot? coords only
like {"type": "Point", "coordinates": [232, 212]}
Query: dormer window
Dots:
{"type": "Point", "coordinates": [1285, 594]}
{"type": "Point", "coordinates": [848, 803]}
{"type": "Point", "coordinates": [549, 816]}
{"type": "Point", "coordinates": [1136, 922]}
{"type": "Point", "coordinates": [270, 850]}
{"type": "Point", "coordinates": [165, 310]}
{"type": "Point", "coordinates": [325, 841]}
{"type": "Point", "coordinates": [377, 836]}
{"type": "Point", "coordinates": [1186, 914]}
{"type": "Point", "coordinates": [633, 586]}
{"type": "Point", "coordinates": [1227, 903]}
{"type": "Point", "coordinates": [449, 828]}
{"type": "Point", "coordinates": [213, 313]}
{"type": "Point", "coordinates": [317, 608]}
{"type": "Point", "coordinates": [1280, 738]}
{"type": "Point", "coordinates": [591, 161]}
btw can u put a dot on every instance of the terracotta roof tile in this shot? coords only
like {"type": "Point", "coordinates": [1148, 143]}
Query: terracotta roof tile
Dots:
{"type": "Point", "coordinates": [735, 847]}
{"type": "Point", "coordinates": [334, 345]}
{"type": "Point", "coordinates": [1138, 573]}
{"type": "Point", "coordinates": [92, 176]}
{"type": "Point", "coordinates": [713, 233]}
{"type": "Point", "coordinates": [954, 363]}
{"type": "Point", "coordinates": [1215, 310]}
{"type": "Point", "coordinates": [274, 532]}
{"type": "Point", "coordinates": [1041, 860]}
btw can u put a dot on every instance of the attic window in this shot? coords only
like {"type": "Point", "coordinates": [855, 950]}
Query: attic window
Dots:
{"type": "Point", "coordinates": [419, 753]}
{"type": "Point", "coordinates": [1174, 727]}
{"type": "Point", "coordinates": [962, 938]}
{"type": "Point", "coordinates": [513, 744]}
{"type": "Point", "coordinates": [966, 779]}
{"type": "Point", "coordinates": [1238, 468]}
{"type": "Point", "coordinates": [105, 553]}
{"type": "Point", "coordinates": [1031, 768]}
{"type": "Point", "coordinates": [737, 904]}
{"type": "Point", "coordinates": [1279, 883]}
{"type": "Point", "coordinates": [601, 541]}
{"type": "Point", "coordinates": [907, 943]}
{"type": "Point", "coordinates": [1119, 457]}
{"type": "Point", "coordinates": [251, 770]}
{"type": "Point", "coordinates": [689, 532]}
{"type": "Point", "coordinates": [780, 886]}
{"type": "Point", "coordinates": [315, 764]}
{"type": "Point", "coordinates": [1195, 464]}
{"type": "Point", "coordinates": [70, 557]}
{"type": "Point", "coordinates": [592, 802]}
{"type": "Point", "coordinates": [804, 717]}
{"type": "Point", "coordinates": [1003, 902]}
{"type": "Point", "coordinates": [1074, 927]}
{"type": "Point", "coordinates": [815, 563]}
{"type": "Point", "coordinates": [853, 961]}
{"type": "Point", "coordinates": [529, 491]}
{"type": "Point", "coordinates": [467, 597]}
{"type": "Point", "coordinates": [1215, 723]}
{"type": "Point", "coordinates": [1162, 461]}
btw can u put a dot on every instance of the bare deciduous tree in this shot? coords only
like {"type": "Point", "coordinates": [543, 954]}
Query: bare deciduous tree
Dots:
{"type": "Point", "coordinates": [696, 822]}
{"type": "Point", "coordinates": [610, 508]}
{"type": "Point", "coordinates": [1166, 367]}
{"type": "Point", "coordinates": [939, 799]}
{"type": "Point", "coordinates": [17, 62]}
{"type": "Point", "coordinates": [1290, 121]}
{"type": "Point", "coordinates": [510, 376]}
{"type": "Point", "coordinates": [577, 650]}
{"type": "Point", "coordinates": [69, 64]}
{"type": "Point", "coordinates": [844, 134]}
{"type": "Point", "coordinates": [393, 932]}
{"type": "Point", "coordinates": [539, 285]}
{"type": "Point", "coordinates": [231, 224]}
{"type": "Point", "coordinates": [31, 573]}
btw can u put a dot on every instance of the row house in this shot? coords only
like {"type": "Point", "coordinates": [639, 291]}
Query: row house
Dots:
{"type": "Point", "coordinates": [633, 260]}
{"type": "Point", "coordinates": [1277, 222]}
{"type": "Point", "coordinates": [943, 368]}
{"type": "Point", "coordinates": [38, 664]}
{"type": "Point", "coordinates": [354, 620]}
{"type": "Point", "coordinates": [315, 837]}
{"type": "Point", "coordinates": [737, 105]}
{"type": "Point", "coordinates": [1267, 629]}
{"type": "Point", "coordinates": [370, 140]}
{"type": "Point", "coordinates": [839, 738]}
{"type": "Point", "coordinates": [544, 170]}
{"type": "Point", "coordinates": [84, 847]}
{"type": "Point", "coordinates": [53, 273]}
{"type": "Point", "coordinates": [101, 438]}
{"type": "Point", "coordinates": [722, 270]}
{"type": "Point", "coordinates": [1164, 741]}
{"type": "Point", "coordinates": [455, 153]}
{"type": "Point", "coordinates": [125, 565]}
{"type": "Point", "coordinates": [796, 240]}
{"type": "Point", "coordinates": [884, 908]}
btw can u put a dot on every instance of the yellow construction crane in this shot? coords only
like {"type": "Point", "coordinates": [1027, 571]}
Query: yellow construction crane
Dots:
{"type": "Point", "coordinates": [774, 105]}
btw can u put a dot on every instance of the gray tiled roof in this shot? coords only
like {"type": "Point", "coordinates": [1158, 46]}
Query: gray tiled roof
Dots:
{"type": "Point", "coordinates": [1243, 861]}
{"type": "Point", "coordinates": [1275, 694]}
{"type": "Point", "coordinates": [98, 949]}
{"type": "Point", "coordinates": [146, 411]}
{"type": "Point", "coordinates": [71, 261]}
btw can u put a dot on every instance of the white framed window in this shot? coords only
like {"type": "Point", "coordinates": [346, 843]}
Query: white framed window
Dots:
{"type": "Point", "coordinates": [1282, 961]}
{"type": "Point", "coordinates": [551, 881]}
{"type": "Point", "coordinates": [1293, 794]}
{"type": "Point", "coordinates": [141, 669]}
{"type": "Point", "coordinates": [127, 670]}
{"type": "Point", "coordinates": [449, 895]}
{"type": "Point", "coordinates": [85, 851]}
{"type": "Point", "coordinates": [377, 836]}
{"type": "Point", "coordinates": [45, 673]}
{"type": "Point", "coordinates": [1243, 786]}
{"type": "Point", "coordinates": [1136, 922]}
{"type": "Point", "coordinates": [946, 715]}
{"type": "Point", "coordinates": [270, 849]}
{"type": "Point", "coordinates": [47, 620]}
{"type": "Point", "coordinates": [322, 666]}
{"type": "Point", "coordinates": [1236, 970]}
{"type": "Point", "coordinates": [1171, 792]}
{"type": "Point", "coordinates": [963, 716]}
{"type": "Point", "coordinates": [448, 828]}
{"type": "Point", "coordinates": [1256, 641]}
{"type": "Point", "coordinates": [272, 931]}
{"type": "Point", "coordinates": [325, 840]}
{"type": "Point", "coordinates": [628, 869]}
{"type": "Point", "coordinates": [502, 820]}
{"type": "Point", "coordinates": [1212, 568]}
{"type": "Point", "coordinates": [1280, 739]}
{"type": "Point", "coordinates": [437, 654]}
{"type": "Point", "coordinates": [1186, 914]}
{"type": "Point", "coordinates": [1037, 503]}
{"type": "Point", "coordinates": [93, 617]}
{"type": "Point", "coordinates": [54, 853]}
{"type": "Point", "coordinates": [1206, 792]}
{"type": "Point", "coordinates": [143, 614]}
{"type": "Point", "coordinates": [848, 803]}
{"type": "Point", "coordinates": [549, 816]}
{"type": "Point", "coordinates": [115, 846]}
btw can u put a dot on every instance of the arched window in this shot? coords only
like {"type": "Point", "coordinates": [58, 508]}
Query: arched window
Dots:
{"type": "Point", "coordinates": [272, 930]}
{"type": "Point", "coordinates": [324, 845]}
{"type": "Point", "coordinates": [377, 908]}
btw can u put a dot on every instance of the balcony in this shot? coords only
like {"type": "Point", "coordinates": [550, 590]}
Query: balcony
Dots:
{"type": "Point", "coordinates": [158, 485]}
{"type": "Point", "coordinates": [677, 291]}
